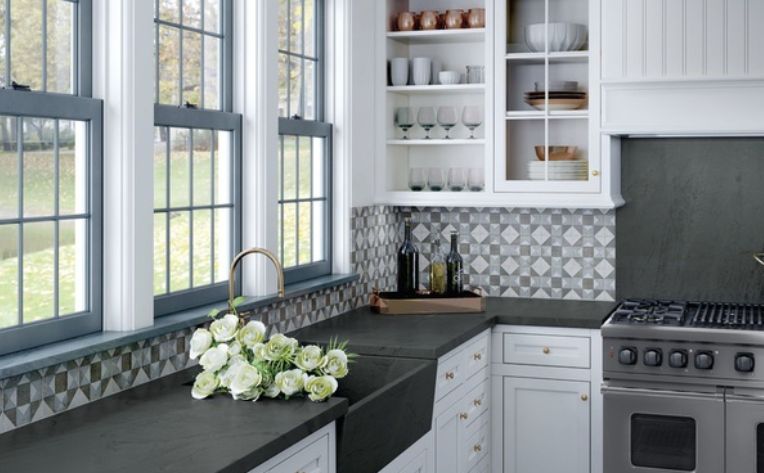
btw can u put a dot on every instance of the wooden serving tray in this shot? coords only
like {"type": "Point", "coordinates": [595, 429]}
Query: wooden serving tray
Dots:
{"type": "Point", "coordinates": [392, 303]}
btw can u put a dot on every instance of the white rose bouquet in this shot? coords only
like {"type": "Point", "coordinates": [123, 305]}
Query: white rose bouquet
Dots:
{"type": "Point", "coordinates": [238, 360]}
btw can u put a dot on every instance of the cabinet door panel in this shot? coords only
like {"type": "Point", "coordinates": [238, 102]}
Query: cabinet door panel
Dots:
{"type": "Point", "coordinates": [447, 428]}
{"type": "Point", "coordinates": [546, 426]}
{"type": "Point", "coordinates": [312, 459]}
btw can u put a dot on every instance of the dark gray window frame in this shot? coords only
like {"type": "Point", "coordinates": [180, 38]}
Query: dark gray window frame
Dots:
{"type": "Point", "coordinates": [207, 119]}
{"type": "Point", "coordinates": [318, 128]}
{"type": "Point", "coordinates": [65, 107]}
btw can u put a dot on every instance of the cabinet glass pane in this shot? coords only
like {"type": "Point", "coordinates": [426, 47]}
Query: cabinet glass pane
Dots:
{"type": "Point", "coordinates": [523, 136]}
{"type": "Point", "coordinates": [520, 15]}
{"type": "Point", "coordinates": [568, 153]}
{"type": "Point", "coordinates": [568, 21]}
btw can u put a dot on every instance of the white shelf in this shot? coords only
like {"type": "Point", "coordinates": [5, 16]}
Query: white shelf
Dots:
{"type": "Point", "coordinates": [501, 199]}
{"type": "Point", "coordinates": [553, 114]}
{"type": "Point", "coordinates": [437, 142]}
{"type": "Point", "coordinates": [554, 57]}
{"type": "Point", "coordinates": [438, 89]}
{"type": "Point", "coordinates": [467, 35]}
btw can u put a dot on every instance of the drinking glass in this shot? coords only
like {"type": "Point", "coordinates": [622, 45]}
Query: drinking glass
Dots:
{"type": "Point", "coordinates": [472, 117]}
{"type": "Point", "coordinates": [457, 179]}
{"type": "Point", "coordinates": [404, 119]}
{"type": "Point", "coordinates": [447, 118]}
{"type": "Point", "coordinates": [436, 180]}
{"type": "Point", "coordinates": [426, 119]}
{"type": "Point", "coordinates": [475, 179]}
{"type": "Point", "coordinates": [417, 180]}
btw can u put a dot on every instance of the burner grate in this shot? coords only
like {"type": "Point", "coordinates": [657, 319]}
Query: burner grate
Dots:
{"type": "Point", "coordinates": [732, 316]}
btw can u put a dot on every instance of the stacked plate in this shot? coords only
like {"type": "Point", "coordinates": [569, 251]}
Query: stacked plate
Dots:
{"type": "Point", "coordinates": [577, 170]}
{"type": "Point", "coordinates": [563, 95]}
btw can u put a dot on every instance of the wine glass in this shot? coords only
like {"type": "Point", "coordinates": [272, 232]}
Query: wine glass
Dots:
{"type": "Point", "coordinates": [404, 119]}
{"type": "Point", "coordinates": [426, 119]}
{"type": "Point", "coordinates": [447, 118]}
{"type": "Point", "coordinates": [436, 180]}
{"type": "Point", "coordinates": [457, 179]}
{"type": "Point", "coordinates": [472, 117]}
{"type": "Point", "coordinates": [417, 180]}
{"type": "Point", "coordinates": [475, 179]}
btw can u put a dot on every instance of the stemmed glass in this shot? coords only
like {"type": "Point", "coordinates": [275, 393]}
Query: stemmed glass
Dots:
{"type": "Point", "coordinates": [435, 179]}
{"type": "Point", "coordinates": [426, 119]}
{"type": "Point", "coordinates": [404, 119]}
{"type": "Point", "coordinates": [417, 180]}
{"type": "Point", "coordinates": [472, 117]}
{"type": "Point", "coordinates": [447, 118]}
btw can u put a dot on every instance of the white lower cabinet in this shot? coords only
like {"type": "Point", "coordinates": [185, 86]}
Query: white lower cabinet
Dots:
{"type": "Point", "coordinates": [313, 454]}
{"type": "Point", "coordinates": [418, 458]}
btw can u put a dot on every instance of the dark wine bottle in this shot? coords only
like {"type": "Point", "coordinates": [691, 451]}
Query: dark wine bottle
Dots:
{"type": "Point", "coordinates": [454, 268]}
{"type": "Point", "coordinates": [408, 263]}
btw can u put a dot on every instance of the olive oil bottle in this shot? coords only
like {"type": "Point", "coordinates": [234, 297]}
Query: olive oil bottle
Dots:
{"type": "Point", "coordinates": [437, 268]}
{"type": "Point", "coordinates": [408, 263]}
{"type": "Point", "coordinates": [454, 267]}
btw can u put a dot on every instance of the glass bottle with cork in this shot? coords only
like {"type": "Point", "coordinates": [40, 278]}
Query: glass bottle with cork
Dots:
{"type": "Point", "coordinates": [408, 263]}
{"type": "Point", "coordinates": [454, 268]}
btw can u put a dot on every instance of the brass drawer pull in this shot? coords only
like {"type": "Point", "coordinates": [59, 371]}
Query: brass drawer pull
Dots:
{"type": "Point", "coordinates": [477, 403]}
{"type": "Point", "coordinates": [477, 448]}
{"type": "Point", "coordinates": [546, 350]}
{"type": "Point", "coordinates": [584, 397]}
{"type": "Point", "coordinates": [595, 173]}
{"type": "Point", "coordinates": [463, 416]}
{"type": "Point", "coordinates": [449, 375]}
{"type": "Point", "coordinates": [477, 356]}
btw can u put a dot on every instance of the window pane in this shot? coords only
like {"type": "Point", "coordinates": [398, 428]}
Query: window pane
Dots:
{"type": "Point", "coordinates": [202, 248]}
{"type": "Point", "coordinates": [283, 86]}
{"type": "Point", "coordinates": [223, 241]}
{"type": "Point", "coordinates": [192, 13]}
{"type": "Point", "coordinates": [310, 31]}
{"type": "Point", "coordinates": [295, 88]}
{"type": "Point", "coordinates": [192, 68]}
{"type": "Point", "coordinates": [202, 167]}
{"type": "Point", "coordinates": [212, 69]}
{"type": "Point", "coordinates": [319, 222]}
{"type": "Point", "coordinates": [169, 10]}
{"type": "Point", "coordinates": [3, 51]}
{"type": "Point", "coordinates": [39, 167]}
{"type": "Point", "coordinates": [283, 25]}
{"type": "Point", "coordinates": [289, 225]}
{"type": "Point", "coordinates": [38, 271]}
{"type": "Point", "coordinates": [223, 153]}
{"type": "Point", "coordinates": [319, 171]}
{"type": "Point", "coordinates": [180, 168]}
{"type": "Point", "coordinates": [309, 90]}
{"type": "Point", "coordinates": [169, 65]}
{"type": "Point", "coordinates": [72, 156]}
{"type": "Point", "coordinates": [72, 266]}
{"type": "Point", "coordinates": [160, 253]}
{"type": "Point", "coordinates": [26, 42]}
{"type": "Point", "coordinates": [304, 232]}
{"type": "Point", "coordinates": [295, 25]}
{"type": "Point", "coordinates": [60, 53]}
{"type": "Point", "coordinates": [180, 239]}
{"type": "Point", "coordinates": [160, 166]}
{"type": "Point", "coordinates": [305, 161]}
{"type": "Point", "coordinates": [212, 15]}
{"type": "Point", "coordinates": [9, 280]}
{"type": "Point", "coordinates": [289, 162]}
{"type": "Point", "coordinates": [9, 168]}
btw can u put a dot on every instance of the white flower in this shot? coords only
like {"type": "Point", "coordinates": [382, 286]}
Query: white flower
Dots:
{"type": "Point", "coordinates": [244, 379]}
{"type": "Point", "coordinates": [251, 395]}
{"type": "Point", "coordinates": [336, 364]}
{"type": "Point", "coordinates": [272, 391]}
{"type": "Point", "coordinates": [252, 334]}
{"type": "Point", "coordinates": [215, 358]}
{"type": "Point", "coordinates": [225, 329]}
{"type": "Point", "coordinates": [259, 351]}
{"type": "Point", "coordinates": [200, 342]}
{"type": "Point", "coordinates": [234, 348]}
{"type": "Point", "coordinates": [320, 387]}
{"type": "Point", "coordinates": [227, 374]}
{"type": "Point", "coordinates": [279, 348]}
{"type": "Point", "coordinates": [310, 358]}
{"type": "Point", "coordinates": [289, 382]}
{"type": "Point", "coordinates": [205, 384]}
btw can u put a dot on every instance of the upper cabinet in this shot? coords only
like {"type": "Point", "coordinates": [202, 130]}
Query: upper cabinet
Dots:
{"type": "Point", "coordinates": [682, 67]}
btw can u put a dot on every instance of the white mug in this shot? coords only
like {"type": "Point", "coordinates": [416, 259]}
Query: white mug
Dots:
{"type": "Point", "coordinates": [422, 67]}
{"type": "Point", "coordinates": [399, 70]}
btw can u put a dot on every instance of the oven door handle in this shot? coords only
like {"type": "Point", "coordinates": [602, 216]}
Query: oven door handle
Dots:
{"type": "Point", "coordinates": [659, 393]}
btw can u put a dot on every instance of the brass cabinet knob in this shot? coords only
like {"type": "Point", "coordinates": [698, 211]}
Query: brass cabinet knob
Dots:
{"type": "Point", "coordinates": [546, 350]}
{"type": "Point", "coordinates": [449, 375]}
{"type": "Point", "coordinates": [477, 356]}
{"type": "Point", "coordinates": [477, 403]}
{"type": "Point", "coordinates": [477, 448]}
{"type": "Point", "coordinates": [595, 173]}
{"type": "Point", "coordinates": [584, 397]}
{"type": "Point", "coordinates": [463, 416]}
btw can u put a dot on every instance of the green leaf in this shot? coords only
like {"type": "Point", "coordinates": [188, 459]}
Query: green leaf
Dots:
{"type": "Point", "coordinates": [213, 313]}
{"type": "Point", "coordinates": [238, 301]}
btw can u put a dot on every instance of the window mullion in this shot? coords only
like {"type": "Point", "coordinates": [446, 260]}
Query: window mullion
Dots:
{"type": "Point", "coordinates": [180, 53]}
{"type": "Point", "coordinates": [191, 212]}
{"type": "Point", "coordinates": [201, 75]}
{"type": "Point", "coordinates": [7, 27]}
{"type": "Point", "coordinates": [20, 242]}
{"type": "Point", "coordinates": [56, 212]}
{"type": "Point", "coordinates": [44, 45]}
{"type": "Point", "coordinates": [302, 106]}
{"type": "Point", "coordinates": [167, 215]}
{"type": "Point", "coordinates": [213, 140]}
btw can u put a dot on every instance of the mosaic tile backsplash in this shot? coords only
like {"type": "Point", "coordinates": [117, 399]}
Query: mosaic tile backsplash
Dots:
{"type": "Point", "coordinates": [508, 252]}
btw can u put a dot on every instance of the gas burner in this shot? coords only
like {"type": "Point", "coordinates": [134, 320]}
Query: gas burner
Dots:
{"type": "Point", "coordinates": [650, 312]}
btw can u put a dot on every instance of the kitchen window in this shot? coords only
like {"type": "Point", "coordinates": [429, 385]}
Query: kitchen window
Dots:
{"type": "Point", "coordinates": [197, 154]}
{"type": "Point", "coordinates": [305, 143]}
{"type": "Point", "coordinates": [50, 175]}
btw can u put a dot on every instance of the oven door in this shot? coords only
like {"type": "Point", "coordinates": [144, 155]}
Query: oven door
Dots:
{"type": "Point", "coordinates": [651, 431]}
{"type": "Point", "coordinates": [745, 434]}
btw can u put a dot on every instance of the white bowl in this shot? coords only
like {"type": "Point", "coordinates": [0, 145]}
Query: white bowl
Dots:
{"type": "Point", "coordinates": [449, 77]}
{"type": "Point", "coordinates": [562, 36]}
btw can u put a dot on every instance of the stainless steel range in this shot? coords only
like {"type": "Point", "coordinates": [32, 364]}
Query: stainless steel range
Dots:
{"type": "Point", "coordinates": [684, 387]}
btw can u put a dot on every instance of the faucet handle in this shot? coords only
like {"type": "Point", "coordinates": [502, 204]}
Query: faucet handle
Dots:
{"type": "Point", "coordinates": [759, 257]}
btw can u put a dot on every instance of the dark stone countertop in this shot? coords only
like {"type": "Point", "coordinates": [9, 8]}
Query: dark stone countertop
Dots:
{"type": "Point", "coordinates": [431, 336]}
{"type": "Point", "coordinates": [158, 427]}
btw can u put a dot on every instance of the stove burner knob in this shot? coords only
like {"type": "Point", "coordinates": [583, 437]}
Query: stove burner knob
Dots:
{"type": "Point", "coordinates": [627, 356]}
{"type": "Point", "coordinates": [704, 360]}
{"type": "Point", "coordinates": [653, 357]}
{"type": "Point", "coordinates": [678, 359]}
{"type": "Point", "coordinates": [744, 362]}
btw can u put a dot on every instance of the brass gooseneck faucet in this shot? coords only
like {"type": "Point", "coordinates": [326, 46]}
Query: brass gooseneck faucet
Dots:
{"type": "Point", "coordinates": [237, 260]}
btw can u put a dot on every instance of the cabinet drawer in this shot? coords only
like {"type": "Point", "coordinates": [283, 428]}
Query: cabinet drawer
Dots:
{"type": "Point", "coordinates": [475, 403]}
{"type": "Point", "coordinates": [545, 350]}
{"type": "Point", "coordinates": [314, 458]}
{"type": "Point", "coordinates": [476, 443]}
{"type": "Point", "coordinates": [449, 375]}
{"type": "Point", "coordinates": [475, 357]}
